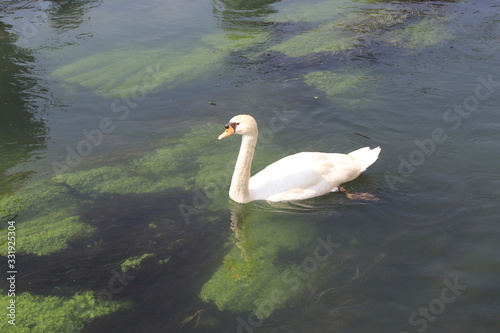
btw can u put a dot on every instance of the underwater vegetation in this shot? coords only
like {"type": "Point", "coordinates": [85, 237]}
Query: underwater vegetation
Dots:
{"type": "Point", "coordinates": [119, 179]}
{"type": "Point", "coordinates": [49, 216]}
{"type": "Point", "coordinates": [134, 262]}
{"type": "Point", "coordinates": [49, 219]}
{"type": "Point", "coordinates": [50, 233]}
{"type": "Point", "coordinates": [368, 21]}
{"type": "Point", "coordinates": [41, 314]}
{"type": "Point", "coordinates": [235, 40]}
{"type": "Point", "coordinates": [335, 83]}
{"type": "Point", "coordinates": [328, 33]}
{"type": "Point", "coordinates": [363, 29]}
{"type": "Point", "coordinates": [48, 211]}
{"type": "Point", "coordinates": [323, 28]}
{"type": "Point", "coordinates": [122, 72]}
{"type": "Point", "coordinates": [251, 275]}
{"type": "Point", "coordinates": [326, 38]}
{"type": "Point", "coordinates": [428, 32]}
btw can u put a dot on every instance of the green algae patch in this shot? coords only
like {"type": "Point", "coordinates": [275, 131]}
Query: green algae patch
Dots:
{"type": "Point", "coordinates": [50, 233]}
{"type": "Point", "coordinates": [427, 32]}
{"type": "Point", "coordinates": [47, 218]}
{"type": "Point", "coordinates": [337, 83]}
{"type": "Point", "coordinates": [229, 291]}
{"type": "Point", "coordinates": [38, 198]}
{"type": "Point", "coordinates": [195, 160]}
{"type": "Point", "coordinates": [250, 277]}
{"type": "Point", "coordinates": [42, 314]}
{"type": "Point", "coordinates": [123, 72]}
{"type": "Point", "coordinates": [164, 261]}
{"type": "Point", "coordinates": [358, 27]}
{"type": "Point", "coordinates": [235, 40]}
{"type": "Point", "coordinates": [9, 205]}
{"type": "Point", "coordinates": [327, 38]}
{"type": "Point", "coordinates": [369, 21]}
{"type": "Point", "coordinates": [134, 262]}
{"type": "Point", "coordinates": [48, 212]}
{"type": "Point", "coordinates": [119, 179]}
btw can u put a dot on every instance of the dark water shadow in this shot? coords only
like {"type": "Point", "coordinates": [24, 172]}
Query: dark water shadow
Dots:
{"type": "Point", "coordinates": [163, 288]}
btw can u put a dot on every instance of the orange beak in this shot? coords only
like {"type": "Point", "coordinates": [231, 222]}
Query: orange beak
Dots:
{"type": "Point", "coordinates": [229, 131]}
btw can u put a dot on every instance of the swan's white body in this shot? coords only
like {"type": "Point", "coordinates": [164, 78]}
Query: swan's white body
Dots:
{"type": "Point", "coordinates": [295, 177]}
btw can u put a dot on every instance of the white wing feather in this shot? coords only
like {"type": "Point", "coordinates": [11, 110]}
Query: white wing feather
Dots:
{"type": "Point", "coordinates": [304, 175]}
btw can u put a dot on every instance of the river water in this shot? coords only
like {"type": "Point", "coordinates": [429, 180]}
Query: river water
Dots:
{"type": "Point", "coordinates": [117, 186]}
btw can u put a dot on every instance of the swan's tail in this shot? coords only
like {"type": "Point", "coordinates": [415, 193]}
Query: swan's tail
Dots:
{"type": "Point", "coordinates": [366, 156]}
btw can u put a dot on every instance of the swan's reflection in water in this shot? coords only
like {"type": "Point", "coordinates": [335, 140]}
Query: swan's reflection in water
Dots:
{"type": "Point", "coordinates": [278, 258]}
{"type": "Point", "coordinates": [274, 258]}
{"type": "Point", "coordinates": [257, 274]}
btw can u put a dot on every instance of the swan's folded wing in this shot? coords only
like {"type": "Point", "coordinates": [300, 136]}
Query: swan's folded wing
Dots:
{"type": "Point", "coordinates": [302, 176]}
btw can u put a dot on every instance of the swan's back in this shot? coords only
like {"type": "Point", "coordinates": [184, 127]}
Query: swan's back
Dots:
{"type": "Point", "coordinates": [306, 175]}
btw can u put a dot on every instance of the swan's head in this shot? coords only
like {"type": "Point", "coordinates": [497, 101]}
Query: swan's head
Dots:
{"type": "Point", "coordinates": [241, 124]}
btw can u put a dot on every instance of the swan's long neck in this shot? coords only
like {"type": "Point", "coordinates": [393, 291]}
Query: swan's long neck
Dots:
{"type": "Point", "coordinates": [239, 191]}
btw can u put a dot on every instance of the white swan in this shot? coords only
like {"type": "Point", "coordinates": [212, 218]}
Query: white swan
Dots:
{"type": "Point", "coordinates": [295, 177]}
